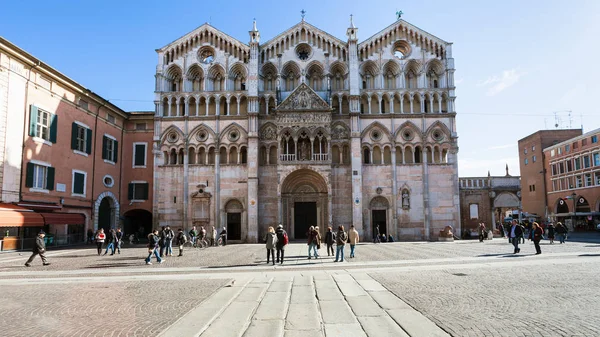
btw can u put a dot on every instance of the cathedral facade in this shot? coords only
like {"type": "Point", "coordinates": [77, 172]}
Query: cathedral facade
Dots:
{"type": "Point", "coordinates": [307, 129]}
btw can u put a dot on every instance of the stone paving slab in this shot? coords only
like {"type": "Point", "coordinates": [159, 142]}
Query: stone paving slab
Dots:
{"type": "Point", "coordinates": [270, 328]}
{"type": "Point", "coordinates": [344, 330]}
{"type": "Point", "coordinates": [252, 294]}
{"type": "Point", "coordinates": [351, 289]}
{"type": "Point", "coordinates": [329, 294]}
{"type": "Point", "coordinates": [336, 312]}
{"type": "Point", "coordinates": [280, 286]}
{"type": "Point", "coordinates": [233, 320]}
{"type": "Point", "coordinates": [382, 326]}
{"type": "Point", "coordinates": [303, 316]}
{"type": "Point", "coordinates": [388, 302]}
{"type": "Point", "coordinates": [303, 294]}
{"type": "Point", "coordinates": [365, 306]}
{"type": "Point", "coordinates": [273, 306]}
{"type": "Point", "coordinates": [304, 333]}
{"type": "Point", "coordinates": [415, 324]}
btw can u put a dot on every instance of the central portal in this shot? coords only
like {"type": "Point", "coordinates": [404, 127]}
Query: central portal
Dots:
{"type": "Point", "coordinates": [305, 202]}
{"type": "Point", "coordinates": [305, 215]}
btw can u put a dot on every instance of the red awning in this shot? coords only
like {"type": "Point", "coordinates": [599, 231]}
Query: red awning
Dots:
{"type": "Point", "coordinates": [63, 218]}
{"type": "Point", "coordinates": [16, 216]}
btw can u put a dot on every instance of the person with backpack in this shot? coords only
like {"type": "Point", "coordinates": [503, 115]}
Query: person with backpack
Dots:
{"type": "Point", "coordinates": [100, 237]}
{"type": "Point", "coordinates": [341, 238]}
{"type": "Point", "coordinates": [329, 240]}
{"type": "Point", "coordinates": [282, 241]}
{"type": "Point", "coordinates": [271, 241]}
{"type": "Point", "coordinates": [353, 239]}
{"type": "Point", "coordinates": [181, 240]}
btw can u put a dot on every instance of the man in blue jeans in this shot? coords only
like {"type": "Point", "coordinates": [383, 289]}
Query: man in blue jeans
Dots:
{"type": "Point", "coordinates": [340, 241]}
{"type": "Point", "coordinates": [153, 240]}
{"type": "Point", "coordinates": [515, 232]}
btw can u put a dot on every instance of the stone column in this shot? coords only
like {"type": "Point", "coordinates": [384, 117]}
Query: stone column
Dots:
{"type": "Point", "coordinates": [394, 194]}
{"type": "Point", "coordinates": [169, 107]}
{"type": "Point", "coordinates": [426, 207]}
{"type": "Point", "coordinates": [369, 103]}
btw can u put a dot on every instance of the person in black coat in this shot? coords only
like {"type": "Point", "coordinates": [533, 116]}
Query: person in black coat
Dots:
{"type": "Point", "coordinates": [515, 232]}
{"type": "Point", "coordinates": [281, 242]}
{"type": "Point", "coordinates": [38, 249]}
{"type": "Point", "coordinates": [329, 240]}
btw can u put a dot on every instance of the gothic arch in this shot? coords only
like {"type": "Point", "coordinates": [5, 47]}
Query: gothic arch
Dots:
{"type": "Point", "coordinates": [410, 126]}
{"type": "Point", "coordinates": [115, 204]}
{"type": "Point", "coordinates": [174, 72]}
{"type": "Point", "coordinates": [378, 125]}
{"type": "Point", "coordinates": [338, 67]}
{"type": "Point", "coordinates": [197, 128]}
{"type": "Point", "coordinates": [268, 68]}
{"type": "Point", "coordinates": [441, 126]}
{"type": "Point", "coordinates": [168, 130]}
{"type": "Point", "coordinates": [234, 205]}
{"type": "Point", "coordinates": [506, 200]}
{"type": "Point", "coordinates": [239, 69]}
{"type": "Point", "coordinates": [303, 176]}
{"type": "Point", "coordinates": [230, 127]}
{"type": "Point", "coordinates": [369, 67]}
{"type": "Point", "coordinates": [379, 202]}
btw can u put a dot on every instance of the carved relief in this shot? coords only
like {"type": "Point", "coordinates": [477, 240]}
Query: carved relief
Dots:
{"type": "Point", "coordinates": [304, 98]}
{"type": "Point", "coordinates": [303, 118]}
{"type": "Point", "coordinates": [340, 132]}
{"type": "Point", "coordinates": [268, 133]}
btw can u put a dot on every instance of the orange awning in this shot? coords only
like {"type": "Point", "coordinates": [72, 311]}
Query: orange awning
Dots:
{"type": "Point", "coordinates": [63, 218]}
{"type": "Point", "coordinates": [16, 216]}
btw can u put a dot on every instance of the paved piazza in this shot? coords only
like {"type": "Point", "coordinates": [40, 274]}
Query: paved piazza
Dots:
{"type": "Point", "coordinates": [463, 288]}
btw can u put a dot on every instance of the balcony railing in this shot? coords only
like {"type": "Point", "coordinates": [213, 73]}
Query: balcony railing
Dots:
{"type": "Point", "coordinates": [287, 157]}
{"type": "Point", "coordinates": [320, 156]}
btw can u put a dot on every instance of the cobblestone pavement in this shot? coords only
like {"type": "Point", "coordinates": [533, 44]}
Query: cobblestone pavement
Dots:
{"type": "Point", "coordinates": [463, 288]}
{"type": "Point", "coordinates": [99, 309]}
{"type": "Point", "coordinates": [533, 300]}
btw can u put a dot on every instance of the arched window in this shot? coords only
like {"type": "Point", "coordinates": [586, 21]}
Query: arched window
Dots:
{"type": "Point", "coordinates": [366, 156]}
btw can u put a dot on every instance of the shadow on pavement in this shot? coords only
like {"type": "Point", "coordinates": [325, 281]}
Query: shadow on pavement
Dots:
{"type": "Point", "coordinates": [589, 255]}
{"type": "Point", "coordinates": [489, 255]}
{"type": "Point", "coordinates": [114, 265]}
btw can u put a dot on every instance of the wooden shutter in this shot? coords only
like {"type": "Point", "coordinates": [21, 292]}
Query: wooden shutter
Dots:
{"type": "Point", "coordinates": [115, 151]}
{"type": "Point", "coordinates": [145, 191]}
{"type": "Point", "coordinates": [50, 178]}
{"type": "Point", "coordinates": [88, 141]}
{"type": "Point", "coordinates": [33, 113]}
{"type": "Point", "coordinates": [78, 183]}
{"type": "Point", "coordinates": [105, 148]}
{"type": "Point", "coordinates": [29, 175]}
{"type": "Point", "coordinates": [130, 192]}
{"type": "Point", "coordinates": [74, 128]}
{"type": "Point", "coordinates": [53, 127]}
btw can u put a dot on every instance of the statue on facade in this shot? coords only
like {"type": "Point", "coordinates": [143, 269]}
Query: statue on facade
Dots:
{"type": "Point", "coordinates": [405, 200]}
{"type": "Point", "coordinates": [305, 151]}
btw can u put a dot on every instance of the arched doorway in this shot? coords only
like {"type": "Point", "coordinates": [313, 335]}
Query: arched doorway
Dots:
{"type": "Point", "coordinates": [379, 209]}
{"type": "Point", "coordinates": [505, 201]}
{"type": "Point", "coordinates": [304, 202]}
{"type": "Point", "coordinates": [138, 222]}
{"type": "Point", "coordinates": [583, 215]}
{"type": "Point", "coordinates": [106, 214]}
{"type": "Point", "coordinates": [233, 219]}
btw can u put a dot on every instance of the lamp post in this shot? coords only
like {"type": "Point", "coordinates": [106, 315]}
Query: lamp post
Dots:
{"type": "Point", "coordinates": [574, 196]}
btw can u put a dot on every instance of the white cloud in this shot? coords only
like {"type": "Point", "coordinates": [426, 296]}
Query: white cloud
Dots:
{"type": "Point", "coordinates": [499, 83]}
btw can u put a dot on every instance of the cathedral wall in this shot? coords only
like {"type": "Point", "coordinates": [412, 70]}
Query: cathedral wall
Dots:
{"type": "Point", "coordinates": [444, 209]}
{"type": "Point", "coordinates": [170, 210]}
{"type": "Point", "coordinates": [267, 198]}
{"type": "Point", "coordinates": [341, 188]}
{"type": "Point", "coordinates": [410, 221]}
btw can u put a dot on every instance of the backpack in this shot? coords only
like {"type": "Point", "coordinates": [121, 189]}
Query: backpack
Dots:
{"type": "Point", "coordinates": [286, 240]}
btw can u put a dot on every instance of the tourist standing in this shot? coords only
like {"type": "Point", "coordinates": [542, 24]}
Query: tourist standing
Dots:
{"type": "Point", "coordinates": [515, 234]}
{"type": "Point", "coordinates": [100, 237]}
{"type": "Point", "coordinates": [551, 233]}
{"type": "Point", "coordinates": [153, 245]}
{"type": "Point", "coordinates": [119, 236]}
{"type": "Point", "coordinates": [352, 239]}
{"type": "Point", "coordinates": [181, 240]}
{"type": "Point", "coordinates": [481, 231]}
{"type": "Point", "coordinates": [169, 241]}
{"type": "Point", "coordinates": [319, 238]}
{"type": "Point", "coordinates": [329, 240]}
{"type": "Point", "coordinates": [312, 242]}
{"type": "Point", "coordinates": [271, 241]}
{"type": "Point", "coordinates": [340, 241]}
{"type": "Point", "coordinates": [193, 235]}
{"type": "Point", "coordinates": [537, 237]}
{"type": "Point", "coordinates": [282, 241]}
{"type": "Point", "coordinates": [38, 249]}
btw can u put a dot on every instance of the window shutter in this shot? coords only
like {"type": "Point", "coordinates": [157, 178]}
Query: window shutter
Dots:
{"type": "Point", "coordinates": [139, 155]}
{"type": "Point", "coordinates": [130, 192]}
{"type": "Point", "coordinates": [33, 113]}
{"type": "Point", "coordinates": [88, 141]}
{"type": "Point", "coordinates": [53, 128]}
{"type": "Point", "coordinates": [50, 179]}
{"type": "Point", "coordinates": [145, 191]}
{"type": "Point", "coordinates": [104, 147]}
{"type": "Point", "coordinates": [115, 151]}
{"type": "Point", "coordinates": [78, 183]}
{"type": "Point", "coordinates": [74, 128]}
{"type": "Point", "coordinates": [29, 175]}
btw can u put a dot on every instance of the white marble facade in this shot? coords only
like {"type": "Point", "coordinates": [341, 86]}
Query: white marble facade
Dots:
{"type": "Point", "coordinates": [307, 129]}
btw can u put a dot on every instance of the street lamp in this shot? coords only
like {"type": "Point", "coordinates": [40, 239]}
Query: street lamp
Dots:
{"type": "Point", "coordinates": [574, 196]}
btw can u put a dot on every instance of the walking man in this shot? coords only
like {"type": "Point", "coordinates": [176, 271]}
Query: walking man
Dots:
{"type": "Point", "coordinates": [119, 239]}
{"type": "Point", "coordinates": [193, 235]}
{"type": "Point", "coordinates": [515, 234]}
{"type": "Point", "coordinates": [38, 249]}
{"type": "Point", "coordinates": [353, 239]}
{"type": "Point", "coordinates": [376, 238]}
{"type": "Point", "coordinates": [153, 240]}
{"type": "Point", "coordinates": [110, 239]}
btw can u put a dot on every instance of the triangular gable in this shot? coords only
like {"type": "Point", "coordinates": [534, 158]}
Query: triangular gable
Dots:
{"type": "Point", "coordinates": [299, 26]}
{"type": "Point", "coordinates": [403, 25]}
{"type": "Point", "coordinates": [303, 98]}
{"type": "Point", "coordinates": [197, 31]}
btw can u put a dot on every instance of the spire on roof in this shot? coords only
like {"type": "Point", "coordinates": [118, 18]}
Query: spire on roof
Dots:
{"type": "Point", "coordinates": [352, 21]}
{"type": "Point", "coordinates": [254, 26]}
{"type": "Point", "coordinates": [507, 170]}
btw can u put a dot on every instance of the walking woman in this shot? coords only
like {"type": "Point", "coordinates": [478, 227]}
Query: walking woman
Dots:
{"type": "Point", "coordinates": [537, 237]}
{"type": "Point", "coordinates": [271, 241]}
{"type": "Point", "coordinates": [100, 237]}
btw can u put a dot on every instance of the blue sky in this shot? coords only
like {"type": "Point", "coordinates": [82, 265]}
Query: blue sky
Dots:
{"type": "Point", "coordinates": [517, 62]}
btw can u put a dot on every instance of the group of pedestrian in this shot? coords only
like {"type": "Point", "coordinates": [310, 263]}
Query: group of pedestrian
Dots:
{"type": "Point", "coordinates": [516, 234]}
{"type": "Point", "coordinates": [276, 240]}
{"type": "Point", "coordinates": [113, 240]}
